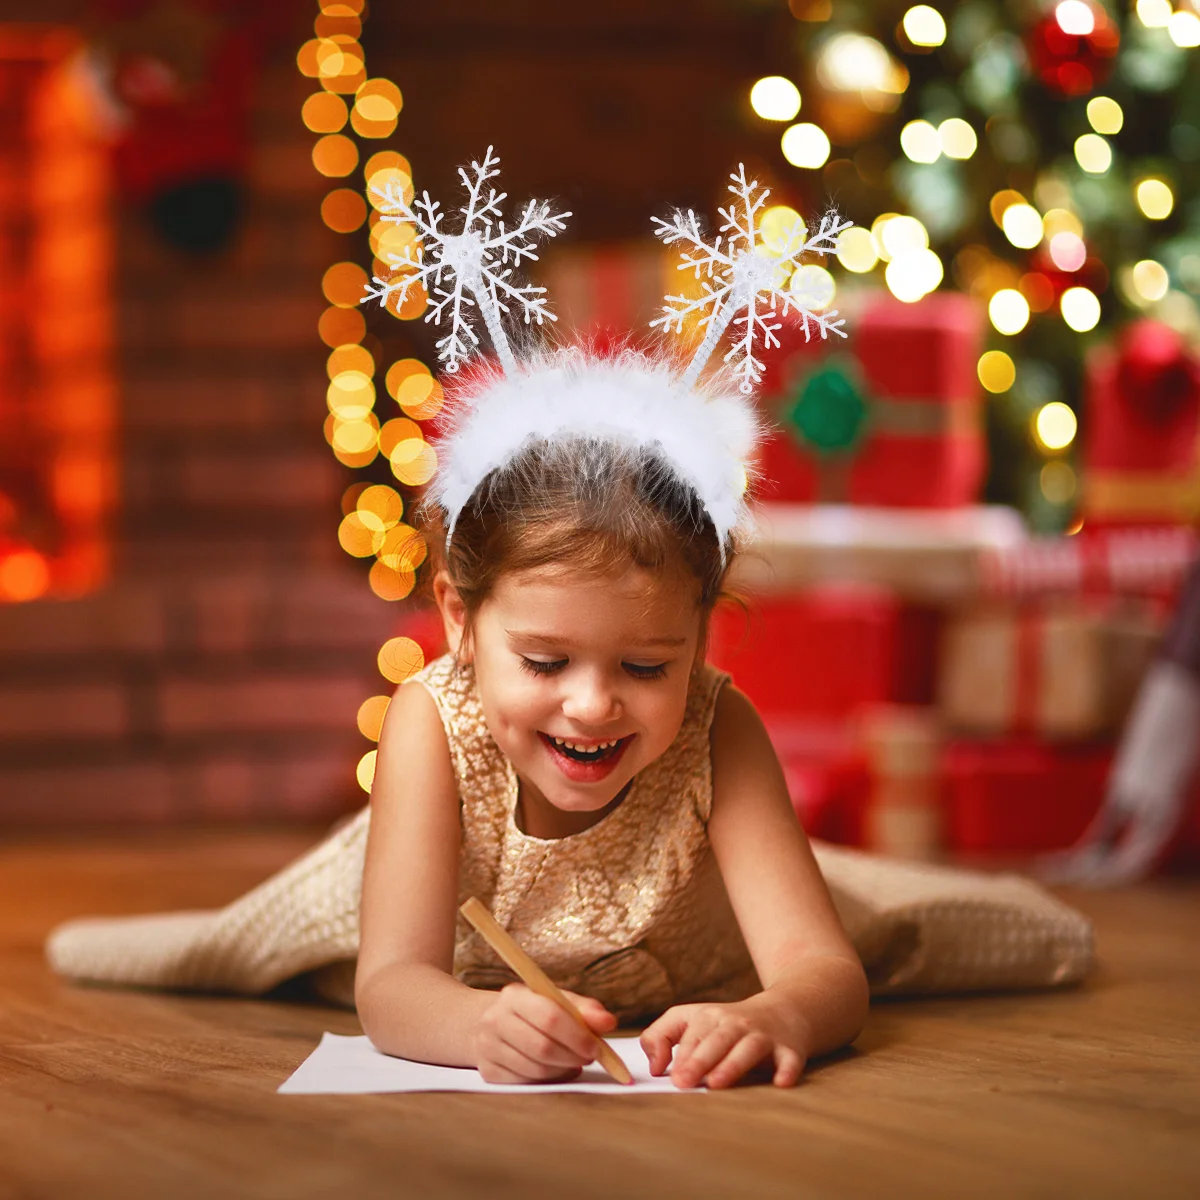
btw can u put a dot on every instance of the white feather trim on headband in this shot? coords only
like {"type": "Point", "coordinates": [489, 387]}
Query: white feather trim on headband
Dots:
{"type": "Point", "coordinates": [706, 436]}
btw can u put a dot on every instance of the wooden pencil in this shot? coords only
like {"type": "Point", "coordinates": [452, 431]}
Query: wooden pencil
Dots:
{"type": "Point", "coordinates": [534, 978]}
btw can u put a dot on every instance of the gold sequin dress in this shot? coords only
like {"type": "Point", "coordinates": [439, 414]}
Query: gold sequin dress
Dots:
{"type": "Point", "coordinates": [632, 910]}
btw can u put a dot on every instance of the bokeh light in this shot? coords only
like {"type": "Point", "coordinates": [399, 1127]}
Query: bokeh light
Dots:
{"type": "Point", "coordinates": [913, 273]}
{"type": "Point", "coordinates": [1150, 279]}
{"type": "Point", "coordinates": [24, 575]}
{"type": "Point", "coordinates": [856, 250]}
{"type": "Point", "coordinates": [813, 286]}
{"type": "Point", "coordinates": [379, 508]}
{"type": "Point", "coordinates": [775, 98]}
{"type": "Point", "coordinates": [1022, 225]}
{"type": "Point", "coordinates": [350, 395]}
{"type": "Point", "coordinates": [957, 138]}
{"type": "Point", "coordinates": [903, 234]}
{"type": "Point", "coordinates": [323, 112]}
{"type": "Point", "coordinates": [1055, 425]}
{"type": "Point", "coordinates": [1075, 17]}
{"type": "Point", "coordinates": [1155, 198]}
{"type": "Point", "coordinates": [1155, 14]}
{"type": "Point", "coordinates": [1093, 153]}
{"type": "Point", "coordinates": [996, 371]}
{"type": "Point", "coordinates": [1062, 220]}
{"type": "Point", "coordinates": [805, 145]}
{"type": "Point", "coordinates": [354, 537]}
{"type": "Point", "coordinates": [390, 584]}
{"type": "Point", "coordinates": [781, 228]}
{"type": "Point", "coordinates": [920, 142]}
{"type": "Point", "coordinates": [400, 658]}
{"type": "Point", "coordinates": [335, 154]}
{"type": "Point", "coordinates": [395, 431]}
{"type": "Point", "coordinates": [1008, 311]}
{"type": "Point", "coordinates": [344, 284]}
{"type": "Point", "coordinates": [341, 326]}
{"type": "Point", "coordinates": [1067, 251]}
{"type": "Point", "coordinates": [365, 771]}
{"type": "Point", "coordinates": [1080, 308]}
{"type": "Point", "coordinates": [1057, 481]}
{"type": "Point", "coordinates": [402, 548]}
{"type": "Point", "coordinates": [413, 462]}
{"type": "Point", "coordinates": [1105, 115]}
{"type": "Point", "coordinates": [1184, 29]}
{"type": "Point", "coordinates": [877, 227]}
{"type": "Point", "coordinates": [370, 716]}
{"type": "Point", "coordinates": [924, 26]}
{"type": "Point", "coordinates": [1037, 289]}
{"type": "Point", "coordinates": [349, 357]}
{"type": "Point", "coordinates": [343, 210]}
{"type": "Point", "coordinates": [1001, 202]}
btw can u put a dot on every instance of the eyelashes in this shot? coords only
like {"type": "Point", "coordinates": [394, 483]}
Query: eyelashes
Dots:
{"type": "Point", "coordinates": [535, 667]}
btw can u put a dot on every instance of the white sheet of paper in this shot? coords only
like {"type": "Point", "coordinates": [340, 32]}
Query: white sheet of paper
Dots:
{"type": "Point", "coordinates": [351, 1065]}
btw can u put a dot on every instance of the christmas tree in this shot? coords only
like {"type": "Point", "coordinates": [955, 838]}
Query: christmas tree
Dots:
{"type": "Point", "coordinates": [1043, 157]}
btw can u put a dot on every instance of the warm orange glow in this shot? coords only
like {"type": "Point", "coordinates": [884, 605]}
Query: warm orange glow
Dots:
{"type": "Point", "coordinates": [395, 431]}
{"type": "Point", "coordinates": [392, 242]}
{"type": "Point", "coordinates": [380, 508]}
{"type": "Point", "coordinates": [402, 548]}
{"type": "Point", "coordinates": [344, 210]}
{"type": "Point", "coordinates": [350, 395]}
{"type": "Point", "coordinates": [338, 8]}
{"type": "Point", "coordinates": [24, 575]}
{"type": "Point", "coordinates": [355, 538]}
{"type": "Point", "coordinates": [420, 397]}
{"type": "Point", "coordinates": [400, 658]}
{"type": "Point", "coordinates": [341, 326]}
{"type": "Point", "coordinates": [415, 301]}
{"type": "Point", "coordinates": [388, 584]}
{"type": "Point", "coordinates": [413, 462]}
{"type": "Point", "coordinates": [350, 358]}
{"type": "Point", "coordinates": [370, 716]}
{"type": "Point", "coordinates": [379, 100]}
{"type": "Point", "coordinates": [344, 284]}
{"type": "Point", "coordinates": [335, 154]}
{"type": "Point", "coordinates": [330, 24]}
{"type": "Point", "coordinates": [323, 112]}
{"type": "Point", "coordinates": [57, 385]}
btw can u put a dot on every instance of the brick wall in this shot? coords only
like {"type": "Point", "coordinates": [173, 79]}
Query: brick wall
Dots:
{"type": "Point", "coordinates": [217, 675]}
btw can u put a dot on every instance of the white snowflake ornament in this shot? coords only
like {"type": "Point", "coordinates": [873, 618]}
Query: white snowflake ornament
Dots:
{"type": "Point", "coordinates": [471, 268]}
{"type": "Point", "coordinates": [745, 280]}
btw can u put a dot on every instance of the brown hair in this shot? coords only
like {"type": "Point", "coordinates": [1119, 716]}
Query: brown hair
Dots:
{"type": "Point", "coordinates": [592, 503]}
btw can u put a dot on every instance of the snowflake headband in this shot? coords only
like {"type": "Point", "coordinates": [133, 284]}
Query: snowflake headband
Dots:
{"type": "Point", "coordinates": [705, 432]}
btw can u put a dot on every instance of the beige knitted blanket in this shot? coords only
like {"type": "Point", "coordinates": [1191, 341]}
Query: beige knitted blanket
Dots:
{"type": "Point", "coordinates": [917, 928]}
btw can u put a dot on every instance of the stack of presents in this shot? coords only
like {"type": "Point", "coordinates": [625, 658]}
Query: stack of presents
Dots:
{"type": "Point", "coordinates": [938, 684]}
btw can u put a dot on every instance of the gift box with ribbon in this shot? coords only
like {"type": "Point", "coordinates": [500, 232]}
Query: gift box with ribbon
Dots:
{"type": "Point", "coordinates": [1065, 670]}
{"type": "Point", "coordinates": [891, 416]}
{"type": "Point", "coordinates": [1142, 447]}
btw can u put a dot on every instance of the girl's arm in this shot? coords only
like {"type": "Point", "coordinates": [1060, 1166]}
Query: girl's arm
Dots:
{"type": "Point", "coordinates": [408, 1001]}
{"type": "Point", "coordinates": [815, 994]}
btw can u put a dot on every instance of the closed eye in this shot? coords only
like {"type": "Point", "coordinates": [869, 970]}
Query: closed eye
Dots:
{"type": "Point", "coordinates": [641, 671]}
{"type": "Point", "coordinates": [536, 667]}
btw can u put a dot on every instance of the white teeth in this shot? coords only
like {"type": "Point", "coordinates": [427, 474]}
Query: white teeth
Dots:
{"type": "Point", "coordinates": [584, 749]}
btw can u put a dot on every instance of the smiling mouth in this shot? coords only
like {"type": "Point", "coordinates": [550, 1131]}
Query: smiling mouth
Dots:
{"type": "Point", "coordinates": [583, 754]}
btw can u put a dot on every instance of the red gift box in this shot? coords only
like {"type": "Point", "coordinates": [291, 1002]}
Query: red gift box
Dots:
{"type": "Point", "coordinates": [1022, 796]}
{"type": "Point", "coordinates": [827, 777]}
{"type": "Point", "coordinates": [1141, 457]}
{"type": "Point", "coordinates": [891, 416]}
{"type": "Point", "coordinates": [827, 652]}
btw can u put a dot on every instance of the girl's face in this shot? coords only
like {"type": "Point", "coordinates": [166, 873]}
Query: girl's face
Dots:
{"type": "Point", "coordinates": [583, 681]}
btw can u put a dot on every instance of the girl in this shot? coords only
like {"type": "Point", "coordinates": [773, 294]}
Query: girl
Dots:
{"type": "Point", "coordinates": [616, 802]}
{"type": "Point", "coordinates": [573, 762]}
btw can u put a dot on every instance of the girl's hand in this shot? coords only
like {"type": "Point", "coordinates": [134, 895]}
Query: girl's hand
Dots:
{"type": "Point", "coordinates": [525, 1038]}
{"type": "Point", "coordinates": [716, 1044]}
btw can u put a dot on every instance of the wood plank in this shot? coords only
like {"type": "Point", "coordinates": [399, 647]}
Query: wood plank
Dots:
{"type": "Point", "coordinates": [1094, 1091]}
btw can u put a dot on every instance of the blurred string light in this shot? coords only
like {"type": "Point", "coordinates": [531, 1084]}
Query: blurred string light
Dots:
{"type": "Point", "coordinates": [1184, 29]}
{"type": "Point", "coordinates": [1075, 17]}
{"type": "Point", "coordinates": [351, 105]}
{"type": "Point", "coordinates": [924, 26]}
{"type": "Point", "coordinates": [996, 370]}
{"type": "Point", "coordinates": [856, 250]}
{"type": "Point", "coordinates": [920, 142]}
{"type": "Point", "coordinates": [1155, 198]}
{"type": "Point", "coordinates": [913, 270]}
{"type": "Point", "coordinates": [1057, 481]}
{"type": "Point", "coordinates": [1093, 153]}
{"type": "Point", "coordinates": [1150, 280]}
{"type": "Point", "coordinates": [1067, 251]}
{"type": "Point", "coordinates": [775, 98]}
{"type": "Point", "coordinates": [957, 138]}
{"type": "Point", "coordinates": [805, 145]}
{"type": "Point", "coordinates": [1155, 14]}
{"type": "Point", "coordinates": [1054, 425]}
{"type": "Point", "coordinates": [1022, 225]}
{"type": "Point", "coordinates": [1008, 311]}
{"type": "Point", "coordinates": [1080, 308]}
{"type": "Point", "coordinates": [1105, 115]}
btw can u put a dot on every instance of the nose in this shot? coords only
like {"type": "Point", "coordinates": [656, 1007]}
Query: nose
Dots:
{"type": "Point", "coordinates": [591, 700]}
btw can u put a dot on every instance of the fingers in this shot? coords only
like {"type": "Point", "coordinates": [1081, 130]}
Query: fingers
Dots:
{"type": "Point", "coordinates": [789, 1066]}
{"type": "Point", "coordinates": [526, 1037]}
{"type": "Point", "coordinates": [722, 1056]}
{"type": "Point", "coordinates": [660, 1038]}
{"type": "Point", "coordinates": [599, 1019]}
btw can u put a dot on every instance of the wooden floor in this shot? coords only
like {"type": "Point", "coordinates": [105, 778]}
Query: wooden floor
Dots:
{"type": "Point", "coordinates": [1088, 1093]}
